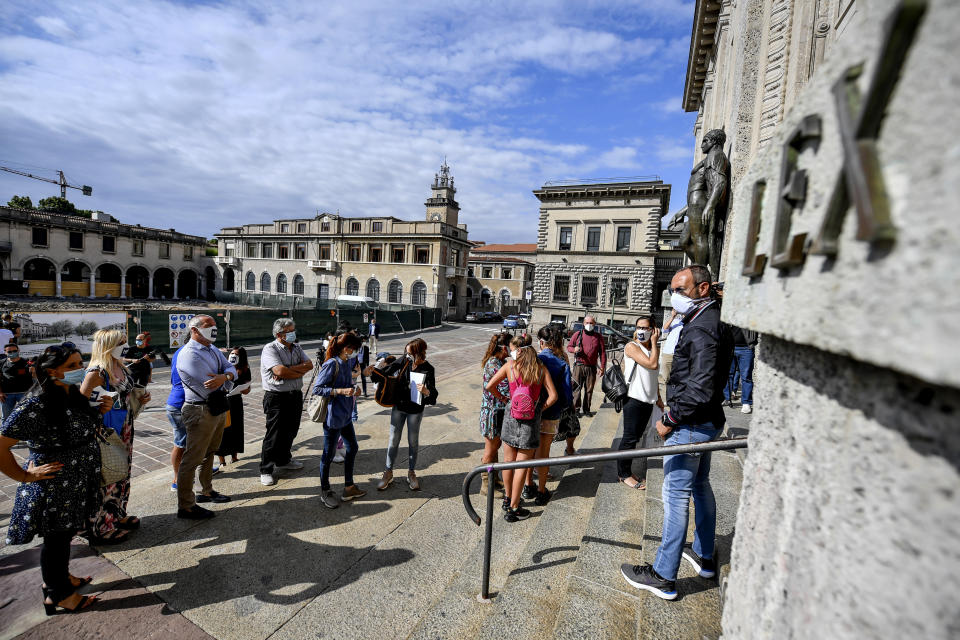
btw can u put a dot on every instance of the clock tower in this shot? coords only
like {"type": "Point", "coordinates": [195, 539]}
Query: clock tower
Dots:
{"type": "Point", "coordinates": [442, 207]}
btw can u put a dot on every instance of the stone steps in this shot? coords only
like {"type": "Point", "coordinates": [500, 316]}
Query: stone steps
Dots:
{"type": "Point", "coordinates": [696, 613]}
{"type": "Point", "coordinates": [530, 559]}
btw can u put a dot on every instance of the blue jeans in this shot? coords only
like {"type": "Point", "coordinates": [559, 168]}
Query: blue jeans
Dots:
{"type": "Point", "coordinates": [413, 420]}
{"type": "Point", "coordinates": [175, 418]}
{"type": "Point", "coordinates": [741, 372]}
{"type": "Point", "coordinates": [330, 437]}
{"type": "Point", "coordinates": [683, 475]}
{"type": "Point", "coordinates": [10, 402]}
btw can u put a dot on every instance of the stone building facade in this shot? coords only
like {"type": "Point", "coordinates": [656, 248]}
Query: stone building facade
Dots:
{"type": "Point", "coordinates": [499, 276]}
{"type": "Point", "coordinates": [841, 252]}
{"type": "Point", "coordinates": [594, 240]}
{"type": "Point", "coordinates": [422, 263]}
{"type": "Point", "coordinates": [51, 254]}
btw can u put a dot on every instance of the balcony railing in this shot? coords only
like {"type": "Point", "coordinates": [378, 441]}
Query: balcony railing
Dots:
{"type": "Point", "coordinates": [228, 261]}
{"type": "Point", "coordinates": [456, 272]}
{"type": "Point", "coordinates": [322, 265]}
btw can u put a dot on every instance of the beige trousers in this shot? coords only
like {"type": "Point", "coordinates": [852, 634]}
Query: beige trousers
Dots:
{"type": "Point", "coordinates": [204, 432]}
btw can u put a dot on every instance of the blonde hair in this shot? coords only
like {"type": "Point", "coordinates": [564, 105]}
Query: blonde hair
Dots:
{"type": "Point", "coordinates": [105, 341]}
{"type": "Point", "coordinates": [527, 366]}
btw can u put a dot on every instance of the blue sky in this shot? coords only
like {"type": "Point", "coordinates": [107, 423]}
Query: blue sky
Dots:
{"type": "Point", "coordinates": [199, 116]}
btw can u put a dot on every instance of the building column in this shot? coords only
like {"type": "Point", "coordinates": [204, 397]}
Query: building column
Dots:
{"type": "Point", "coordinates": [150, 286]}
{"type": "Point", "coordinates": [123, 284]}
{"type": "Point", "coordinates": [59, 280]}
{"type": "Point", "coordinates": [93, 283]}
{"type": "Point", "coordinates": [176, 281]}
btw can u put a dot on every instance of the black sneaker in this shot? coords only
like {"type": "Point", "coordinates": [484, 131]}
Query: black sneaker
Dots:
{"type": "Point", "coordinates": [195, 513]}
{"type": "Point", "coordinates": [214, 496]}
{"type": "Point", "coordinates": [543, 497]}
{"type": "Point", "coordinates": [515, 515]}
{"type": "Point", "coordinates": [505, 505]}
{"type": "Point", "coordinates": [529, 492]}
{"type": "Point", "coordinates": [705, 567]}
{"type": "Point", "coordinates": [644, 577]}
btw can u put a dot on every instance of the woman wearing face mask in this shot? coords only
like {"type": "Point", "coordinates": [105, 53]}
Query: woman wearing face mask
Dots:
{"type": "Point", "coordinates": [232, 442]}
{"type": "Point", "coordinates": [528, 379]}
{"type": "Point", "coordinates": [112, 525]}
{"type": "Point", "coordinates": [59, 486]}
{"type": "Point", "coordinates": [335, 379]}
{"type": "Point", "coordinates": [641, 365]}
{"type": "Point", "coordinates": [409, 411]}
{"type": "Point", "coordinates": [491, 408]}
{"type": "Point", "coordinates": [554, 359]}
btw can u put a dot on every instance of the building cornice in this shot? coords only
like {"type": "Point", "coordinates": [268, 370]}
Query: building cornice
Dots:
{"type": "Point", "coordinates": [705, 17]}
{"type": "Point", "coordinates": [79, 223]}
{"type": "Point", "coordinates": [606, 191]}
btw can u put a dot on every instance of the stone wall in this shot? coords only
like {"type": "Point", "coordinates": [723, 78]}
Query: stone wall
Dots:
{"type": "Point", "coordinates": [850, 507]}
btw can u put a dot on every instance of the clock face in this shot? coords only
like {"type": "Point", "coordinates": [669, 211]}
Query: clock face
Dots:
{"type": "Point", "coordinates": [436, 217]}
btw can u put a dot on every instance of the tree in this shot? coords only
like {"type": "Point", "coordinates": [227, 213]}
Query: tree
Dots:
{"type": "Point", "coordinates": [61, 328]}
{"type": "Point", "coordinates": [21, 202]}
{"type": "Point", "coordinates": [85, 328]}
{"type": "Point", "coordinates": [56, 204]}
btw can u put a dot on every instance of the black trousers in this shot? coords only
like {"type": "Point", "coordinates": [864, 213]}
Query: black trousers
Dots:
{"type": "Point", "coordinates": [55, 563]}
{"type": "Point", "coordinates": [282, 410]}
{"type": "Point", "coordinates": [636, 414]}
{"type": "Point", "coordinates": [363, 379]}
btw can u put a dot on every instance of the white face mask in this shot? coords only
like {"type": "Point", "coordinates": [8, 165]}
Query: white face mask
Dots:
{"type": "Point", "coordinates": [209, 333]}
{"type": "Point", "coordinates": [116, 352]}
{"type": "Point", "coordinates": [233, 359]}
{"type": "Point", "coordinates": [291, 336]}
{"type": "Point", "coordinates": [643, 334]}
{"type": "Point", "coordinates": [514, 353]}
{"type": "Point", "coordinates": [588, 328]}
{"type": "Point", "coordinates": [683, 304]}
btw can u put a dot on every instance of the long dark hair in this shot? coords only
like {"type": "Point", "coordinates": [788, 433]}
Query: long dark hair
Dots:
{"type": "Point", "coordinates": [498, 341]}
{"type": "Point", "coordinates": [51, 358]}
{"type": "Point", "coordinates": [418, 349]}
{"type": "Point", "coordinates": [341, 342]}
{"type": "Point", "coordinates": [552, 336]}
{"type": "Point", "coordinates": [243, 362]}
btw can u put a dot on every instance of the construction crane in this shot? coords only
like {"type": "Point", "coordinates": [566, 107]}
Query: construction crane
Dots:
{"type": "Point", "coordinates": [85, 190]}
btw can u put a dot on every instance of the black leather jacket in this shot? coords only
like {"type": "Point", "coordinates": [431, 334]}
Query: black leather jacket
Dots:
{"type": "Point", "coordinates": [701, 366]}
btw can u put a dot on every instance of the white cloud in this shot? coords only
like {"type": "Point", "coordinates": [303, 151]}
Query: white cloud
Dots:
{"type": "Point", "coordinates": [242, 113]}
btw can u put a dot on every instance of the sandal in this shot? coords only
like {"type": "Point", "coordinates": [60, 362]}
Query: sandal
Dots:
{"type": "Point", "coordinates": [75, 582]}
{"type": "Point", "coordinates": [51, 607]}
{"type": "Point", "coordinates": [130, 522]}
{"type": "Point", "coordinates": [114, 537]}
{"type": "Point", "coordinates": [640, 484]}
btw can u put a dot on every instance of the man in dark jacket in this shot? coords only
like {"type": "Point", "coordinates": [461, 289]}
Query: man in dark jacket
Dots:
{"type": "Point", "coordinates": [701, 363]}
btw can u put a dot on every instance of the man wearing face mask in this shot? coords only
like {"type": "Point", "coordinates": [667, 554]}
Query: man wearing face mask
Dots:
{"type": "Point", "coordinates": [590, 357]}
{"type": "Point", "coordinates": [701, 363]}
{"type": "Point", "coordinates": [202, 369]}
{"type": "Point", "coordinates": [15, 378]}
{"type": "Point", "coordinates": [139, 361]}
{"type": "Point", "coordinates": [282, 367]}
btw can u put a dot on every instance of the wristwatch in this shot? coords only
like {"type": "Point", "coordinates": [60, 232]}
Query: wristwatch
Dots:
{"type": "Point", "coordinates": [229, 376]}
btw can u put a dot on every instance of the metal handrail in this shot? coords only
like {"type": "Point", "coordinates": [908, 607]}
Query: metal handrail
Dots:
{"type": "Point", "coordinates": [491, 469]}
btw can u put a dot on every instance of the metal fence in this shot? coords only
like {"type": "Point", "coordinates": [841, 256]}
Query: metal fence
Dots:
{"type": "Point", "coordinates": [240, 327]}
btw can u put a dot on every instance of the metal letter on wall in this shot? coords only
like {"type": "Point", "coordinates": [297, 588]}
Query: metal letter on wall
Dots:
{"type": "Point", "coordinates": [860, 119]}
{"type": "Point", "coordinates": [754, 264]}
{"type": "Point", "coordinates": [788, 251]}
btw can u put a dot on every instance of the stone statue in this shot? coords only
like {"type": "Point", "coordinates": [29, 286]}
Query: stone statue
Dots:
{"type": "Point", "coordinates": [707, 200]}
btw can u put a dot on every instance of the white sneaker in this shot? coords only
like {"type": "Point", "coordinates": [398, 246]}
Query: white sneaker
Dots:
{"type": "Point", "coordinates": [746, 409]}
{"type": "Point", "coordinates": [293, 465]}
{"type": "Point", "coordinates": [267, 479]}
{"type": "Point", "coordinates": [339, 455]}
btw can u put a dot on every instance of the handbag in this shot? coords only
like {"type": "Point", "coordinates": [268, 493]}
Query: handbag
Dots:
{"type": "Point", "coordinates": [318, 406]}
{"type": "Point", "coordinates": [217, 401]}
{"type": "Point", "coordinates": [614, 387]}
{"type": "Point", "coordinates": [135, 402]}
{"type": "Point", "coordinates": [114, 457]}
{"type": "Point", "coordinates": [389, 388]}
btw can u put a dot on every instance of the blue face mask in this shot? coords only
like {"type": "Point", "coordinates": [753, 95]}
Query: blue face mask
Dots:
{"type": "Point", "coordinates": [75, 376]}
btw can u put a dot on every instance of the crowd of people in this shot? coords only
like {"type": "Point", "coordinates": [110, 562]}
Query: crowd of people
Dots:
{"type": "Point", "coordinates": [532, 396]}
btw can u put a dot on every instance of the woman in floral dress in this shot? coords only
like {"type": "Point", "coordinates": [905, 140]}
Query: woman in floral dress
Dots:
{"type": "Point", "coordinates": [111, 524]}
{"type": "Point", "coordinates": [59, 485]}
{"type": "Point", "coordinates": [491, 409]}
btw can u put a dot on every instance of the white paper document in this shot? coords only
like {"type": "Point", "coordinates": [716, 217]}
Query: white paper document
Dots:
{"type": "Point", "coordinates": [415, 379]}
{"type": "Point", "coordinates": [238, 390]}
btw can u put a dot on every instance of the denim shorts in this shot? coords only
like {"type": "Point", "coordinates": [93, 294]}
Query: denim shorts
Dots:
{"type": "Point", "coordinates": [179, 431]}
